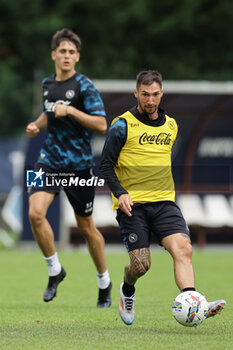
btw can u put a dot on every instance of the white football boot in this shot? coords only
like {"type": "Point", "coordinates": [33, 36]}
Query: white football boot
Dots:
{"type": "Point", "coordinates": [215, 307]}
{"type": "Point", "coordinates": [126, 307]}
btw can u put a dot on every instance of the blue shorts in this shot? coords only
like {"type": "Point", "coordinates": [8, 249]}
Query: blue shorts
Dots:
{"type": "Point", "coordinates": [160, 218]}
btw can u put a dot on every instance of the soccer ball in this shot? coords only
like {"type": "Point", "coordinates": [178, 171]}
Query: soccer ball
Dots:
{"type": "Point", "coordinates": [190, 308]}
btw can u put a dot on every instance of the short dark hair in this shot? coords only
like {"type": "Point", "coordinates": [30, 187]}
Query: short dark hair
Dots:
{"type": "Point", "coordinates": [65, 35]}
{"type": "Point", "coordinates": [148, 77]}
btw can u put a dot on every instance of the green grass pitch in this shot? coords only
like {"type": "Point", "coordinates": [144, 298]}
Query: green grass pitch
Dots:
{"type": "Point", "coordinates": [72, 321]}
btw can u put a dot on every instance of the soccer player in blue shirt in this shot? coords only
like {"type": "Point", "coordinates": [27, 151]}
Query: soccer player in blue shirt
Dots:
{"type": "Point", "coordinates": [72, 110]}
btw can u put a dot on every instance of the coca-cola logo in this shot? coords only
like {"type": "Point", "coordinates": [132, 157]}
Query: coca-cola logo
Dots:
{"type": "Point", "coordinates": [161, 139]}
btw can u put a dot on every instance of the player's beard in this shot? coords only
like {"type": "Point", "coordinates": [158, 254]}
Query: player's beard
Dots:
{"type": "Point", "coordinates": [154, 110]}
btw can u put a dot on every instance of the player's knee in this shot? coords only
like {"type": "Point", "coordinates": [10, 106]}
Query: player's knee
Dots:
{"type": "Point", "coordinates": [141, 267]}
{"type": "Point", "coordinates": [187, 249]}
{"type": "Point", "coordinates": [86, 231]}
{"type": "Point", "coordinates": [184, 251]}
{"type": "Point", "coordinates": [36, 216]}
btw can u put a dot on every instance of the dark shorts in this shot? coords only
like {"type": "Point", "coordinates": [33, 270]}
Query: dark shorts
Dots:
{"type": "Point", "coordinates": [160, 218]}
{"type": "Point", "coordinates": [81, 198]}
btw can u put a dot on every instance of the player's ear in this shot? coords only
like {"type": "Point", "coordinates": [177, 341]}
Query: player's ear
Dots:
{"type": "Point", "coordinates": [161, 92]}
{"type": "Point", "coordinates": [78, 57]}
{"type": "Point", "coordinates": [136, 93]}
{"type": "Point", "coordinates": [53, 55]}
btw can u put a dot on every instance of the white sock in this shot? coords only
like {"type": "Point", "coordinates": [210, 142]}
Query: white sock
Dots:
{"type": "Point", "coordinates": [103, 279]}
{"type": "Point", "coordinates": [54, 265]}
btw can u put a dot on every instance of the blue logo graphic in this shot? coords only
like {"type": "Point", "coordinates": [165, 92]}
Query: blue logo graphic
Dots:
{"type": "Point", "coordinates": [35, 178]}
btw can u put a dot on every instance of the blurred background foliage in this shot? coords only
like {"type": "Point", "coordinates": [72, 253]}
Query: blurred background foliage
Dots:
{"type": "Point", "coordinates": [183, 39]}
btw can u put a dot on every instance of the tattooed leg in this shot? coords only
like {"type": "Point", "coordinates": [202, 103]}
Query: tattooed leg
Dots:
{"type": "Point", "coordinates": [139, 264]}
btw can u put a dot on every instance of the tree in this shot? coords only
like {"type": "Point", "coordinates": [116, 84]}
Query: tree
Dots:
{"type": "Point", "coordinates": [183, 39]}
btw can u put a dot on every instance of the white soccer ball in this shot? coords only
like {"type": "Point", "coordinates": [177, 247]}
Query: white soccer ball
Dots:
{"type": "Point", "coordinates": [190, 308]}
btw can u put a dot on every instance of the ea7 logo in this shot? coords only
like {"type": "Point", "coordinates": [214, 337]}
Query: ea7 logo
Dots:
{"type": "Point", "coordinates": [35, 178]}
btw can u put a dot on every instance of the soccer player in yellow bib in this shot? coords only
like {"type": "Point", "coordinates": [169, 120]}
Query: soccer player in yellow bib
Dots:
{"type": "Point", "coordinates": [136, 165]}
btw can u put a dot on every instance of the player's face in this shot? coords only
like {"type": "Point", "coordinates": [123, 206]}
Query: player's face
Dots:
{"type": "Point", "coordinates": [149, 97]}
{"type": "Point", "coordinates": [65, 56]}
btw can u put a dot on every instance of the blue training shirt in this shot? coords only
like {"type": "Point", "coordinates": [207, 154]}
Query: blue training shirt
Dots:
{"type": "Point", "coordinates": [68, 144]}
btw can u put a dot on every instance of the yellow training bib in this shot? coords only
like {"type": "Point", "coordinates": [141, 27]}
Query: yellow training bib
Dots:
{"type": "Point", "coordinates": [144, 163]}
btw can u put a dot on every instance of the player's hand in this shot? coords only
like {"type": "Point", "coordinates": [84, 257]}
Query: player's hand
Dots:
{"type": "Point", "coordinates": [32, 130]}
{"type": "Point", "coordinates": [125, 203]}
{"type": "Point", "coordinates": [60, 110]}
